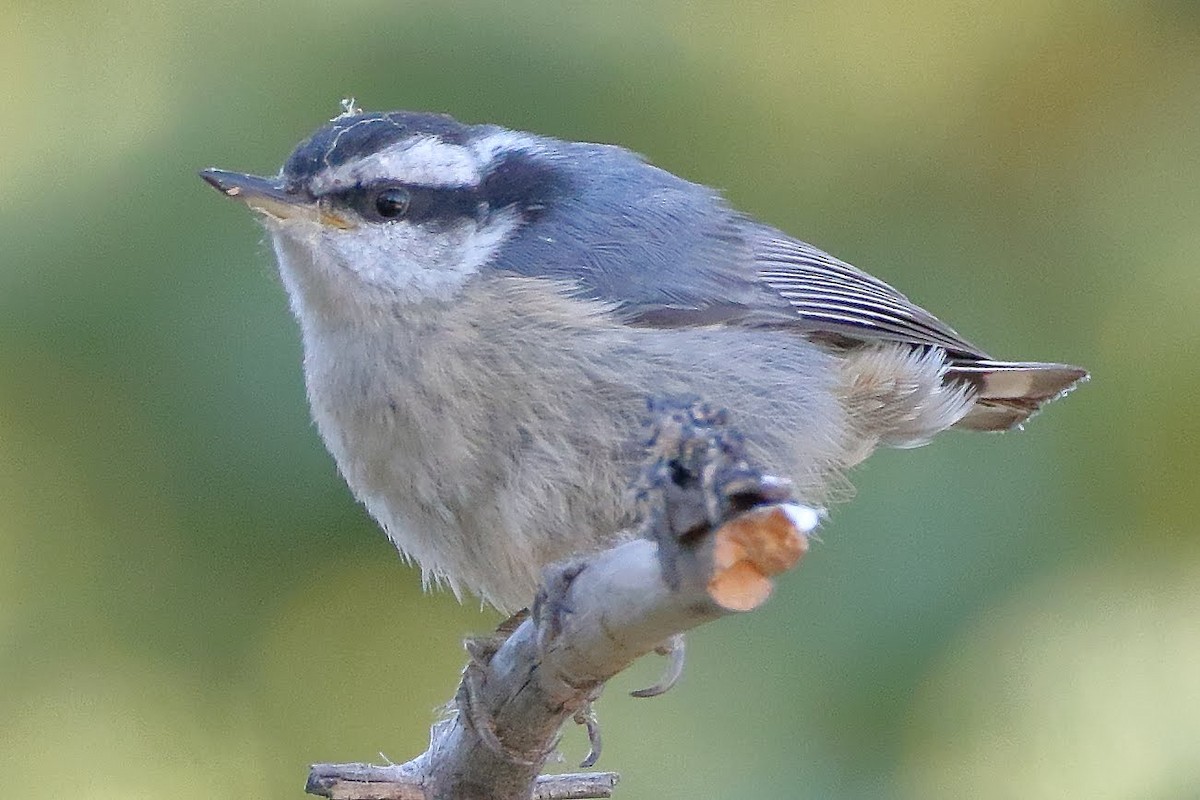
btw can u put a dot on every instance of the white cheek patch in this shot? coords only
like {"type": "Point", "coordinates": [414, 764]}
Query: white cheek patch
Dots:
{"type": "Point", "coordinates": [412, 263]}
{"type": "Point", "coordinates": [426, 161]}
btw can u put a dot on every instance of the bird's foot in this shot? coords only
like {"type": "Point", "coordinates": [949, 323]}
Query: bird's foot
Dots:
{"type": "Point", "coordinates": [472, 710]}
{"type": "Point", "coordinates": [549, 613]}
{"type": "Point", "coordinates": [550, 607]}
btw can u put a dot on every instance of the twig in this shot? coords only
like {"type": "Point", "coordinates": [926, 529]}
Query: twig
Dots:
{"type": "Point", "coordinates": [392, 782]}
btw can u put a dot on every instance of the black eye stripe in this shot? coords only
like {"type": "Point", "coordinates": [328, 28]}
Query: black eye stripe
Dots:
{"type": "Point", "coordinates": [517, 180]}
{"type": "Point", "coordinates": [426, 204]}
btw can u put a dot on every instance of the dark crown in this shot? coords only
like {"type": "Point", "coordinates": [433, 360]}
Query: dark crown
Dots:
{"type": "Point", "coordinates": [352, 136]}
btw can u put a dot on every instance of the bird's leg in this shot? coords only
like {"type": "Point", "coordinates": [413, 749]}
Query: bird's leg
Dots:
{"type": "Point", "coordinates": [675, 651]}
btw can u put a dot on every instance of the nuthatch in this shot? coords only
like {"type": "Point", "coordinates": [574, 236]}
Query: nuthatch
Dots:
{"type": "Point", "coordinates": [485, 313]}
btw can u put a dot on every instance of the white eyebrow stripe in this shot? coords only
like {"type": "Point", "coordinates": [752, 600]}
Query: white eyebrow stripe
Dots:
{"type": "Point", "coordinates": [423, 161]}
{"type": "Point", "coordinates": [501, 140]}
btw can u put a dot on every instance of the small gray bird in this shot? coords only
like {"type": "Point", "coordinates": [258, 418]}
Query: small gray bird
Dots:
{"type": "Point", "coordinates": [485, 313]}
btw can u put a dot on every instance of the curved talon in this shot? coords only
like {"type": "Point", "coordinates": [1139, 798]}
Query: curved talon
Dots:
{"type": "Point", "coordinates": [675, 649]}
{"type": "Point", "coordinates": [587, 716]}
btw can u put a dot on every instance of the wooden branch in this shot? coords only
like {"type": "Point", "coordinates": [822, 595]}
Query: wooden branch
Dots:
{"type": "Point", "coordinates": [714, 530]}
{"type": "Point", "coordinates": [395, 782]}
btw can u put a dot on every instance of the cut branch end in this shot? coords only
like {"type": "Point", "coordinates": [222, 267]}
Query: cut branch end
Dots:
{"type": "Point", "coordinates": [754, 546]}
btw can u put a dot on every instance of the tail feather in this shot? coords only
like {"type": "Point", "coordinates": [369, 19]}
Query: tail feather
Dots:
{"type": "Point", "coordinates": [1010, 392]}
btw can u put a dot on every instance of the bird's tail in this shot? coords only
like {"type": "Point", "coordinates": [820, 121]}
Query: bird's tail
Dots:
{"type": "Point", "coordinates": [1010, 392]}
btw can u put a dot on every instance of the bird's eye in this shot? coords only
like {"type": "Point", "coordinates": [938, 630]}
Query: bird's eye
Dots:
{"type": "Point", "coordinates": [392, 203]}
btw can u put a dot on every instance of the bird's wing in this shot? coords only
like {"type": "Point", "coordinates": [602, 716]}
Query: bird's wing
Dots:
{"type": "Point", "coordinates": [826, 297]}
{"type": "Point", "coordinates": [751, 274]}
{"type": "Point", "coordinates": [830, 295]}
{"type": "Point", "coordinates": [674, 254]}
{"type": "Point", "coordinates": [688, 266]}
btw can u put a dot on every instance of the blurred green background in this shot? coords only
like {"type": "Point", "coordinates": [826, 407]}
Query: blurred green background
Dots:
{"type": "Point", "coordinates": [192, 605]}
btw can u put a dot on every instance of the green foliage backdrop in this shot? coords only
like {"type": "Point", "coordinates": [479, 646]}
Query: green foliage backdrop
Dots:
{"type": "Point", "coordinates": [192, 606]}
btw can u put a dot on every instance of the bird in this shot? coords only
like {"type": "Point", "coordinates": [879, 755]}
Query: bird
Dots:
{"type": "Point", "coordinates": [485, 313]}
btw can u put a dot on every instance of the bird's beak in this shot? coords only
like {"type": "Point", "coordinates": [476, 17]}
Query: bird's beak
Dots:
{"type": "Point", "coordinates": [268, 196]}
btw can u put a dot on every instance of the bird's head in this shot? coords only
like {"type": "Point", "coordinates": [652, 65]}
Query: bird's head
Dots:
{"type": "Point", "coordinates": [398, 206]}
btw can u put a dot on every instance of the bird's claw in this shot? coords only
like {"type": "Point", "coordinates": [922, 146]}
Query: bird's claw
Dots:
{"type": "Point", "coordinates": [675, 651]}
{"type": "Point", "coordinates": [550, 606]}
{"type": "Point", "coordinates": [587, 716]}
